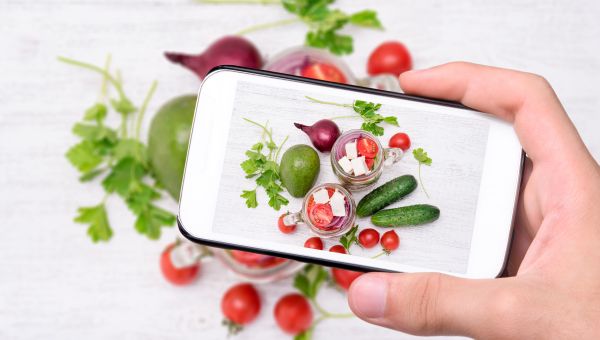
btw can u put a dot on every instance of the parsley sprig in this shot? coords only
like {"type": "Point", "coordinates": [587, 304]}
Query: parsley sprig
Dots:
{"type": "Point", "coordinates": [365, 110]}
{"type": "Point", "coordinates": [262, 163]}
{"type": "Point", "coordinates": [349, 238]}
{"type": "Point", "coordinates": [118, 156]}
{"type": "Point", "coordinates": [324, 23]}
{"type": "Point", "coordinates": [309, 281]}
{"type": "Point", "coordinates": [421, 156]}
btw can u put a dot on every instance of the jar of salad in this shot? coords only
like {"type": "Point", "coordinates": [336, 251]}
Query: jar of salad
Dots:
{"type": "Point", "coordinates": [255, 267]}
{"type": "Point", "coordinates": [319, 64]}
{"type": "Point", "coordinates": [358, 159]}
{"type": "Point", "coordinates": [328, 210]}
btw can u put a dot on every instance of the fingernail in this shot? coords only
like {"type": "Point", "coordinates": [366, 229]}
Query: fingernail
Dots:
{"type": "Point", "coordinates": [368, 296]}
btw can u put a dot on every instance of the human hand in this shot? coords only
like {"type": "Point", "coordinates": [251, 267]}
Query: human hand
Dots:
{"type": "Point", "coordinates": [554, 265]}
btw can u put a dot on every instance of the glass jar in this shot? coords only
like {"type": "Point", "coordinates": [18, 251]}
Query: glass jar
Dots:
{"type": "Point", "coordinates": [322, 220]}
{"type": "Point", "coordinates": [383, 157]}
{"type": "Point", "coordinates": [255, 267]}
{"type": "Point", "coordinates": [296, 59]}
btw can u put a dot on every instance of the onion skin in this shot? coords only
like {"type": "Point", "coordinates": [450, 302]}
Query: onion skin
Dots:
{"type": "Point", "coordinates": [228, 50]}
{"type": "Point", "coordinates": [322, 134]}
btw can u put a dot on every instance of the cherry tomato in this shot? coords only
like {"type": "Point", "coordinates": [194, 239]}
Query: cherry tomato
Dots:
{"type": "Point", "coordinates": [400, 140]}
{"type": "Point", "coordinates": [314, 243]}
{"type": "Point", "coordinates": [310, 204]}
{"type": "Point", "coordinates": [390, 241]}
{"type": "Point", "coordinates": [368, 238]}
{"type": "Point", "coordinates": [241, 304]}
{"type": "Point", "coordinates": [323, 71]}
{"type": "Point", "coordinates": [330, 191]}
{"type": "Point", "coordinates": [367, 147]}
{"type": "Point", "coordinates": [286, 229]}
{"type": "Point", "coordinates": [370, 162]}
{"type": "Point", "coordinates": [293, 314]}
{"type": "Point", "coordinates": [390, 57]}
{"type": "Point", "coordinates": [321, 215]}
{"type": "Point", "coordinates": [255, 260]}
{"type": "Point", "coordinates": [344, 277]}
{"type": "Point", "coordinates": [338, 248]}
{"type": "Point", "coordinates": [177, 276]}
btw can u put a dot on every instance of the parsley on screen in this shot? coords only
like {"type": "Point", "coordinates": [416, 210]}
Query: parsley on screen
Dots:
{"type": "Point", "coordinates": [261, 163]}
{"type": "Point", "coordinates": [365, 110]}
{"type": "Point", "coordinates": [349, 238]}
{"type": "Point", "coordinates": [421, 156]}
{"type": "Point", "coordinates": [324, 23]}
{"type": "Point", "coordinates": [118, 156]}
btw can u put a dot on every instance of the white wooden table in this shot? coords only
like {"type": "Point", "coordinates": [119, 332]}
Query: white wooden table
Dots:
{"type": "Point", "coordinates": [56, 284]}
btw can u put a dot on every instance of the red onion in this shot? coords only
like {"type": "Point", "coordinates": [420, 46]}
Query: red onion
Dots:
{"type": "Point", "coordinates": [229, 50]}
{"type": "Point", "coordinates": [322, 134]}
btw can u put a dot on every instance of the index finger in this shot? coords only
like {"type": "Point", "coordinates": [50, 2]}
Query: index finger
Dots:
{"type": "Point", "coordinates": [525, 99]}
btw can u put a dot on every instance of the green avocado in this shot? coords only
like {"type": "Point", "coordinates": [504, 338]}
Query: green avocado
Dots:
{"type": "Point", "coordinates": [168, 142]}
{"type": "Point", "coordinates": [299, 169]}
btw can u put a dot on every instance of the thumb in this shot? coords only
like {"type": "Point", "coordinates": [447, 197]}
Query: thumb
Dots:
{"type": "Point", "coordinates": [428, 303]}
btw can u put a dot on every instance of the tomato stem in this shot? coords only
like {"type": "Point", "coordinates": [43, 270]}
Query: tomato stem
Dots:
{"type": "Point", "coordinates": [384, 252]}
{"type": "Point", "coordinates": [326, 314]}
{"type": "Point", "coordinates": [267, 25]}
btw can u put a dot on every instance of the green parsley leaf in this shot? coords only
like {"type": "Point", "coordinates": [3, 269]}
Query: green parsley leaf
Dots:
{"type": "Point", "coordinates": [124, 177]}
{"type": "Point", "coordinates": [349, 238]}
{"type": "Point", "coordinates": [250, 196]}
{"type": "Point", "coordinates": [90, 175]}
{"type": "Point", "coordinates": [151, 219]}
{"type": "Point", "coordinates": [99, 228]}
{"type": "Point", "coordinates": [84, 156]}
{"type": "Point", "coordinates": [421, 156]}
{"type": "Point", "coordinates": [123, 106]}
{"type": "Point", "coordinates": [96, 112]}
{"type": "Point", "coordinates": [366, 18]}
{"type": "Point", "coordinates": [306, 335]}
{"type": "Point", "coordinates": [131, 148]}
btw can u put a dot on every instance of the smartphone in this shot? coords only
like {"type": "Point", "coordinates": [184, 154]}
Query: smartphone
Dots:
{"type": "Point", "coordinates": [461, 197]}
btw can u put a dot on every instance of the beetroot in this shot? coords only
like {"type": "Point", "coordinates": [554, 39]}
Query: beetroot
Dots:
{"type": "Point", "coordinates": [229, 50]}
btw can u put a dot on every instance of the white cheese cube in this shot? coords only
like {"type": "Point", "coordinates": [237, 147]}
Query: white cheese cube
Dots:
{"type": "Point", "coordinates": [321, 196]}
{"type": "Point", "coordinates": [344, 162]}
{"type": "Point", "coordinates": [351, 150]}
{"type": "Point", "coordinates": [359, 166]}
{"type": "Point", "coordinates": [338, 204]}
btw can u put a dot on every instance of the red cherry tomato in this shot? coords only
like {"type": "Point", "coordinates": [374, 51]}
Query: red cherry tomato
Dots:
{"type": "Point", "coordinates": [310, 204]}
{"type": "Point", "coordinates": [338, 248]}
{"type": "Point", "coordinates": [321, 215]}
{"type": "Point", "coordinates": [390, 57]}
{"type": "Point", "coordinates": [314, 243]}
{"type": "Point", "coordinates": [368, 238]}
{"type": "Point", "coordinates": [255, 260]}
{"type": "Point", "coordinates": [177, 276]}
{"type": "Point", "coordinates": [370, 162]}
{"type": "Point", "coordinates": [323, 71]}
{"type": "Point", "coordinates": [286, 229]}
{"type": "Point", "coordinates": [241, 304]}
{"type": "Point", "coordinates": [343, 277]}
{"type": "Point", "coordinates": [330, 191]}
{"type": "Point", "coordinates": [293, 314]}
{"type": "Point", "coordinates": [390, 241]}
{"type": "Point", "coordinates": [400, 140]}
{"type": "Point", "coordinates": [367, 147]}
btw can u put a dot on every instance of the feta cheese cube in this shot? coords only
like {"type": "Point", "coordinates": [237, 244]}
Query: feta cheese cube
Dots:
{"type": "Point", "coordinates": [359, 166]}
{"type": "Point", "coordinates": [338, 204]}
{"type": "Point", "coordinates": [321, 196]}
{"type": "Point", "coordinates": [351, 150]}
{"type": "Point", "coordinates": [344, 162]}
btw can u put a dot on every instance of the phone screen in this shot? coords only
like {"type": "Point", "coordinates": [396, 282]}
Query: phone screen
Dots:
{"type": "Point", "coordinates": [449, 181]}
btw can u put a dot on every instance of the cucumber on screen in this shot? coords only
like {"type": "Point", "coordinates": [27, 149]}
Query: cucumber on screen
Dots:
{"type": "Point", "coordinates": [385, 195]}
{"type": "Point", "coordinates": [406, 216]}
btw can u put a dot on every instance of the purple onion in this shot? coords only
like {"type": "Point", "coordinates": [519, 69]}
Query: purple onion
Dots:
{"type": "Point", "coordinates": [322, 134]}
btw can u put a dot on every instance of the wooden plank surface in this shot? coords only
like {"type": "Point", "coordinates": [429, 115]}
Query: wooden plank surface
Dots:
{"type": "Point", "coordinates": [55, 284]}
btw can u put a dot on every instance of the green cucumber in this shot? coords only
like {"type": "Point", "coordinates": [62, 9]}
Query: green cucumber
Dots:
{"type": "Point", "coordinates": [385, 195]}
{"type": "Point", "coordinates": [405, 216]}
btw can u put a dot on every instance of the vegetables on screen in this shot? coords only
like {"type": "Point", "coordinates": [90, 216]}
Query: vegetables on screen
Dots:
{"type": "Point", "coordinates": [338, 248]}
{"type": "Point", "coordinates": [390, 241]}
{"type": "Point", "coordinates": [365, 110]}
{"type": "Point", "coordinates": [117, 155]}
{"type": "Point", "coordinates": [386, 194]}
{"type": "Point", "coordinates": [406, 216]}
{"type": "Point", "coordinates": [240, 305]}
{"type": "Point", "coordinates": [314, 243]}
{"type": "Point", "coordinates": [324, 23]}
{"type": "Point", "coordinates": [421, 156]}
{"type": "Point", "coordinates": [368, 238]}
{"type": "Point", "coordinates": [322, 134]}
{"type": "Point", "coordinates": [349, 238]}
{"type": "Point", "coordinates": [228, 50]}
{"type": "Point", "coordinates": [261, 163]}
{"type": "Point", "coordinates": [391, 57]}
{"type": "Point", "coordinates": [299, 169]}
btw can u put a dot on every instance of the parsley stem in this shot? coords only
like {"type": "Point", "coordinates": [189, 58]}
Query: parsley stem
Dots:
{"type": "Point", "coordinates": [261, 2]}
{"type": "Point", "coordinates": [420, 180]}
{"type": "Point", "coordinates": [140, 116]}
{"type": "Point", "coordinates": [264, 128]}
{"type": "Point", "coordinates": [104, 86]}
{"type": "Point", "coordinates": [268, 25]}
{"type": "Point", "coordinates": [342, 117]}
{"type": "Point", "coordinates": [116, 83]}
{"type": "Point", "coordinates": [327, 103]}
{"type": "Point", "coordinates": [279, 148]}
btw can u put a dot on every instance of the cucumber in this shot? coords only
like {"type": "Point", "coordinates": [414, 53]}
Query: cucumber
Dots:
{"type": "Point", "coordinates": [405, 216]}
{"type": "Point", "coordinates": [385, 195]}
